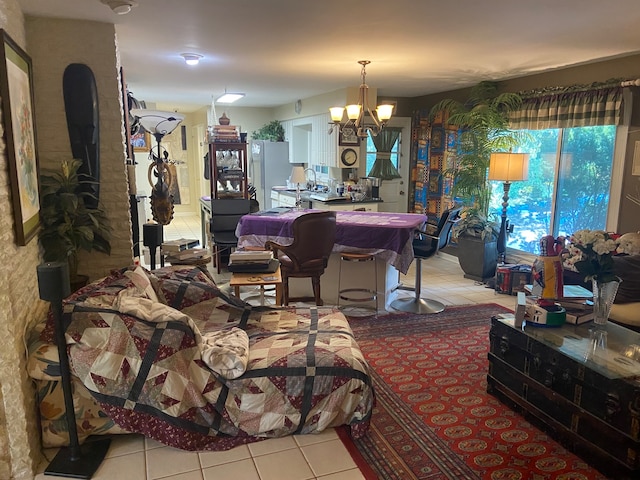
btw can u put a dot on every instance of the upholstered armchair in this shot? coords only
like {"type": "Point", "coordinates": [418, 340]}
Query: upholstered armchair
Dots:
{"type": "Point", "coordinates": [308, 255]}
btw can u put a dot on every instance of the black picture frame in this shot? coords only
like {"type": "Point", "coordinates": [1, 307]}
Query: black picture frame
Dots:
{"type": "Point", "coordinates": [16, 90]}
{"type": "Point", "coordinates": [348, 136]}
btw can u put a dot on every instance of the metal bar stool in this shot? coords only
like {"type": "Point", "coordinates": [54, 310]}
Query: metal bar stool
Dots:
{"type": "Point", "coordinates": [358, 295]}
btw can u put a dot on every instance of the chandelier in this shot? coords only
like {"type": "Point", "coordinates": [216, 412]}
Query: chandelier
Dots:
{"type": "Point", "coordinates": [356, 113]}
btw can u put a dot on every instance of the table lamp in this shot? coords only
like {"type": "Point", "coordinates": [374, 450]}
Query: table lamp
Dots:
{"type": "Point", "coordinates": [507, 167]}
{"type": "Point", "coordinates": [298, 176]}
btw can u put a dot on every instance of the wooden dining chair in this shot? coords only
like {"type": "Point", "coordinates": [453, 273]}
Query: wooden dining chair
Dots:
{"type": "Point", "coordinates": [308, 255]}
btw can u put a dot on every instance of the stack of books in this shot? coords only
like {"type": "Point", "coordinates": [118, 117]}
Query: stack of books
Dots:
{"type": "Point", "coordinates": [189, 254]}
{"type": "Point", "coordinates": [171, 247]}
{"type": "Point", "coordinates": [252, 261]}
{"type": "Point", "coordinates": [225, 133]}
{"type": "Point", "coordinates": [254, 257]}
{"type": "Point", "coordinates": [579, 310]}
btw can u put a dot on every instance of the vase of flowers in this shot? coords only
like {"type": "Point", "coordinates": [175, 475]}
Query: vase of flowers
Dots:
{"type": "Point", "coordinates": [591, 254]}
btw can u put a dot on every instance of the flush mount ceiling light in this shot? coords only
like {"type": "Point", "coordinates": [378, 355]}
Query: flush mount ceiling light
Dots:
{"type": "Point", "coordinates": [121, 7]}
{"type": "Point", "coordinates": [191, 58]}
{"type": "Point", "coordinates": [356, 113]}
{"type": "Point", "coordinates": [229, 97]}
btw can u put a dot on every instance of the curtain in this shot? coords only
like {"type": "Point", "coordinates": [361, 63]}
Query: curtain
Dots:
{"type": "Point", "coordinates": [384, 141]}
{"type": "Point", "coordinates": [569, 107]}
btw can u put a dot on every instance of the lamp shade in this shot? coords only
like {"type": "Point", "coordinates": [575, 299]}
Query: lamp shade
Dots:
{"type": "Point", "coordinates": [156, 121]}
{"type": "Point", "coordinates": [297, 175]}
{"type": "Point", "coordinates": [508, 166]}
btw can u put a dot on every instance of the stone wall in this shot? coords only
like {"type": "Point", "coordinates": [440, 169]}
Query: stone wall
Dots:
{"type": "Point", "coordinates": [52, 44]}
{"type": "Point", "coordinates": [20, 307]}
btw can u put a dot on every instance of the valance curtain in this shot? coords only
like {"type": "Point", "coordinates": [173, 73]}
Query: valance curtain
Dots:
{"type": "Point", "coordinates": [570, 107]}
{"type": "Point", "coordinates": [384, 142]}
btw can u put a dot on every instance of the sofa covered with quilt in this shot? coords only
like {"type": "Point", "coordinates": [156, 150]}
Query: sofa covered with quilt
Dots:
{"type": "Point", "coordinates": [168, 355]}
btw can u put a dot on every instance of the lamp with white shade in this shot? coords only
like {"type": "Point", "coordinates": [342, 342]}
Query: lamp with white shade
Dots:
{"type": "Point", "coordinates": [507, 167]}
{"type": "Point", "coordinates": [159, 123]}
{"type": "Point", "coordinates": [298, 176]}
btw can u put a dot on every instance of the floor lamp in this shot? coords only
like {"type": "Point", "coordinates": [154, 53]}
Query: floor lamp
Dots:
{"type": "Point", "coordinates": [75, 461]}
{"type": "Point", "coordinates": [507, 167]}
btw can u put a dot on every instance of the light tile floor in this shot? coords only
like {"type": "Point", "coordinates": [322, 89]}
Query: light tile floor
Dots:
{"type": "Point", "coordinates": [301, 457]}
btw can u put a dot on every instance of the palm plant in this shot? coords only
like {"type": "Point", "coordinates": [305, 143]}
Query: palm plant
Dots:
{"type": "Point", "coordinates": [68, 226]}
{"type": "Point", "coordinates": [483, 121]}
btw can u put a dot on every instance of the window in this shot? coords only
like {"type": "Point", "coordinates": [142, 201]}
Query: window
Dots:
{"type": "Point", "coordinates": [568, 185]}
{"type": "Point", "coordinates": [371, 153]}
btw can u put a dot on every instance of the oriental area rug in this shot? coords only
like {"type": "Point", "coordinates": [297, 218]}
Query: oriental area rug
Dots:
{"type": "Point", "coordinates": [433, 417]}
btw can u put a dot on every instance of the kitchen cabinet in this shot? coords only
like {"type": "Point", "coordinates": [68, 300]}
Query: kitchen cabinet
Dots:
{"type": "Point", "coordinates": [345, 207]}
{"type": "Point", "coordinates": [326, 145]}
{"type": "Point", "coordinates": [228, 162]}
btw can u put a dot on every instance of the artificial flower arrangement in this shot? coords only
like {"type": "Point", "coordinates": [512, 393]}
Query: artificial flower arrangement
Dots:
{"type": "Point", "coordinates": [590, 252]}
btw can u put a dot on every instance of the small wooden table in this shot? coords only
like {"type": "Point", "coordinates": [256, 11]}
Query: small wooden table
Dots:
{"type": "Point", "coordinates": [258, 279]}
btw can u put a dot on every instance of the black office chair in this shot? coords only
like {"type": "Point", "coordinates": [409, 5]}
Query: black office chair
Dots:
{"type": "Point", "coordinates": [426, 246]}
{"type": "Point", "coordinates": [225, 215]}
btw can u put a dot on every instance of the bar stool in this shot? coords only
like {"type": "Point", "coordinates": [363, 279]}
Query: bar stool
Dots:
{"type": "Point", "coordinates": [358, 295]}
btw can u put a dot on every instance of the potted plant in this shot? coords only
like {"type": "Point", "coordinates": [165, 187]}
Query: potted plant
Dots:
{"type": "Point", "coordinates": [68, 226]}
{"type": "Point", "coordinates": [273, 131]}
{"type": "Point", "coordinates": [483, 122]}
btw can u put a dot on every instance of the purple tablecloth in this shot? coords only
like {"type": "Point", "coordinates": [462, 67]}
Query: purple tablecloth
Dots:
{"type": "Point", "coordinates": [387, 235]}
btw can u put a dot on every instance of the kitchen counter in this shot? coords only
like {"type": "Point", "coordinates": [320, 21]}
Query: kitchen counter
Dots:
{"type": "Point", "coordinates": [285, 197]}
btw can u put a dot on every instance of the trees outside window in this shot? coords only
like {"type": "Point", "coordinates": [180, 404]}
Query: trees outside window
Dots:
{"type": "Point", "coordinates": [568, 186]}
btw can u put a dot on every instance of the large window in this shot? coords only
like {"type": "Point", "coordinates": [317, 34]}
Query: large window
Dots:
{"type": "Point", "coordinates": [568, 185]}
{"type": "Point", "coordinates": [371, 153]}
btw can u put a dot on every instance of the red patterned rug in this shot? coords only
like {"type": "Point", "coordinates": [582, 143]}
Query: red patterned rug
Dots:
{"type": "Point", "coordinates": [433, 417]}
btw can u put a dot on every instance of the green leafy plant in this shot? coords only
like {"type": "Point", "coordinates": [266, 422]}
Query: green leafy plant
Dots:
{"type": "Point", "coordinates": [483, 122]}
{"type": "Point", "coordinates": [68, 226]}
{"type": "Point", "coordinates": [477, 224]}
{"type": "Point", "coordinates": [273, 131]}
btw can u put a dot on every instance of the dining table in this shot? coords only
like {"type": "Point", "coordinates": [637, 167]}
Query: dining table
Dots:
{"type": "Point", "coordinates": [386, 235]}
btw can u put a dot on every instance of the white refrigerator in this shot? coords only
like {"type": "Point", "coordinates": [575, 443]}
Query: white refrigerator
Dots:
{"type": "Point", "coordinates": [268, 167]}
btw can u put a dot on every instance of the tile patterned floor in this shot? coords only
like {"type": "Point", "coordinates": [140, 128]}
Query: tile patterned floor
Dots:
{"type": "Point", "coordinates": [306, 457]}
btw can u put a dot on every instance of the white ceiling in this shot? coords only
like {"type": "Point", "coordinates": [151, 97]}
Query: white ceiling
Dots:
{"type": "Point", "coordinates": [277, 51]}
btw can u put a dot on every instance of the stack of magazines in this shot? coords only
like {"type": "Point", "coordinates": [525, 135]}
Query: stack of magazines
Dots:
{"type": "Point", "coordinates": [252, 261]}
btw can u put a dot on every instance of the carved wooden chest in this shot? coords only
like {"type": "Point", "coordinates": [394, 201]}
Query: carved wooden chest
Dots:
{"type": "Point", "coordinates": [579, 382]}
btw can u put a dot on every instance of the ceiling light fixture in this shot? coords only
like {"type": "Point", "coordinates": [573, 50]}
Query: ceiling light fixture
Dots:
{"type": "Point", "coordinates": [191, 58]}
{"type": "Point", "coordinates": [229, 97]}
{"type": "Point", "coordinates": [356, 113]}
{"type": "Point", "coordinates": [121, 7]}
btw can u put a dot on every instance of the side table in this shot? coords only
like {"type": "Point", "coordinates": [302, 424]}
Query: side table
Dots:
{"type": "Point", "coordinates": [581, 383]}
{"type": "Point", "coordinates": [258, 280]}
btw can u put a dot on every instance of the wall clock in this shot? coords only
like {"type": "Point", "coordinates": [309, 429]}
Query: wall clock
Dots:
{"type": "Point", "coordinates": [349, 157]}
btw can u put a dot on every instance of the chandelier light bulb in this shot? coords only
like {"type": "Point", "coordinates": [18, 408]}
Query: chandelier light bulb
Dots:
{"type": "Point", "coordinates": [356, 113]}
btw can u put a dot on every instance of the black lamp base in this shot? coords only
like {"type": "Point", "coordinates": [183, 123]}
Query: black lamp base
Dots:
{"type": "Point", "coordinates": [67, 462]}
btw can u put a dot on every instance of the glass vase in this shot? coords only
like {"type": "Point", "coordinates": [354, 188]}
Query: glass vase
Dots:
{"type": "Point", "coordinates": [603, 295]}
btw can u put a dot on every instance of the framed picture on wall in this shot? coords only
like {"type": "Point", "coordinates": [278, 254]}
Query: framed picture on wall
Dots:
{"type": "Point", "coordinates": [141, 141]}
{"type": "Point", "coordinates": [348, 136]}
{"type": "Point", "coordinates": [16, 90]}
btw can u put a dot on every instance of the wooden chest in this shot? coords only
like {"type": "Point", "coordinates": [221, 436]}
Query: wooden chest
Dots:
{"type": "Point", "coordinates": [581, 383]}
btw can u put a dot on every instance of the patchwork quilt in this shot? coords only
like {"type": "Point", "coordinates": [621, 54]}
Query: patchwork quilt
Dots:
{"type": "Point", "coordinates": [303, 373]}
